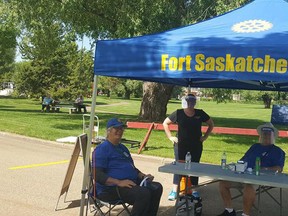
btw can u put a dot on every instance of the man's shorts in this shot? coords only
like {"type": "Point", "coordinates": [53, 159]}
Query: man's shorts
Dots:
{"type": "Point", "coordinates": [241, 186]}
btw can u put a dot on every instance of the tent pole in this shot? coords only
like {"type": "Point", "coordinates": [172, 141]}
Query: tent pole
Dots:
{"type": "Point", "coordinates": [86, 174]}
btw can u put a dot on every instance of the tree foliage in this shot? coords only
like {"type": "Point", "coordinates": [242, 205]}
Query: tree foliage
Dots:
{"type": "Point", "coordinates": [8, 34]}
{"type": "Point", "coordinates": [46, 22]}
{"type": "Point", "coordinates": [55, 64]}
{"type": "Point", "coordinates": [121, 87]}
{"type": "Point", "coordinates": [61, 71]}
{"type": "Point", "coordinates": [64, 75]}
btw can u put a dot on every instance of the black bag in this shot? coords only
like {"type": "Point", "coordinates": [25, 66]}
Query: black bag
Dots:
{"type": "Point", "coordinates": [194, 206]}
{"type": "Point", "coordinates": [197, 206]}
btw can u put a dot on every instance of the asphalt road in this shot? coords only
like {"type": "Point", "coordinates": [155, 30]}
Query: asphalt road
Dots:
{"type": "Point", "coordinates": [32, 173]}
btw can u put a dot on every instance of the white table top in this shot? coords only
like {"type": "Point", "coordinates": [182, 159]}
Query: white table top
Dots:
{"type": "Point", "coordinates": [215, 172]}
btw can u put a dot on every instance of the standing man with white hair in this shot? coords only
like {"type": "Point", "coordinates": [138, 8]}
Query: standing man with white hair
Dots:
{"type": "Point", "coordinates": [272, 158]}
{"type": "Point", "coordinates": [190, 138]}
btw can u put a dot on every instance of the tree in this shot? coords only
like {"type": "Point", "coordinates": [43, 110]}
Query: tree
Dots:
{"type": "Point", "coordinates": [126, 88]}
{"type": "Point", "coordinates": [60, 70]}
{"type": "Point", "coordinates": [121, 87]}
{"type": "Point", "coordinates": [267, 100]}
{"type": "Point", "coordinates": [222, 95]}
{"type": "Point", "coordinates": [123, 18]}
{"type": "Point", "coordinates": [56, 65]}
{"type": "Point", "coordinates": [156, 94]}
{"type": "Point", "coordinates": [8, 34]}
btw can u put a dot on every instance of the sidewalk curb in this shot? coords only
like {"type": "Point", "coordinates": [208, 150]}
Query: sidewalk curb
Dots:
{"type": "Point", "coordinates": [41, 141]}
{"type": "Point", "coordinates": [161, 160]}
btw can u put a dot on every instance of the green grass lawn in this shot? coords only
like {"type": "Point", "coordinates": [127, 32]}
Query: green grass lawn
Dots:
{"type": "Point", "coordinates": [23, 116]}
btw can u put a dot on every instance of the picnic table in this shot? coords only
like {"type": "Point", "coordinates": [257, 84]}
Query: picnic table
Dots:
{"type": "Point", "coordinates": [70, 107]}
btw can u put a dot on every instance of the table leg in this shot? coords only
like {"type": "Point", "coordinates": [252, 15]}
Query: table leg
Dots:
{"type": "Point", "coordinates": [281, 213]}
{"type": "Point", "coordinates": [259, 196]}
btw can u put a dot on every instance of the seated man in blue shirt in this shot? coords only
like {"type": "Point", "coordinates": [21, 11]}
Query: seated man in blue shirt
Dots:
{"type": "Point", "coordinates": [118, 178]}
{"type": "Point", "coordinates": [46, 103]}
{"type": "Point", "coordinates": [272, 158]}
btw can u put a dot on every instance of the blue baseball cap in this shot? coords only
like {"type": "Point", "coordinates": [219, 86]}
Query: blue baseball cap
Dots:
{"type": "Point", "coordinates": [114, 122]}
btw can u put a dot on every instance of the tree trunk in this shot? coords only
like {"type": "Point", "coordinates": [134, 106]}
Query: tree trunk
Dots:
{"type": "Point", "coordinates": [127, 93]}
{"type": "Point", "coordinates": [155, 99]}
{"type": "Point", "coordinates": [267, 100]}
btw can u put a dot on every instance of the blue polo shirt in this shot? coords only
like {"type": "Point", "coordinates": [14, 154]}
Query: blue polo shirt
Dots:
{"type": "Point", "coordinates": [270, 155]}
{"type": "Point", "coordinates": [47, 100]}
{"type": "Point", "coordinates": [116, 161]}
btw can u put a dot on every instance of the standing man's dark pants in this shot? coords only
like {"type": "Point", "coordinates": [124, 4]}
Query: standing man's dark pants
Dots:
{"type": "Point", "coordinates": [80, 107]}
{"type": "Point", "coordinates": [145, 200]}
{"type": "Point", "coordinates": [47, 106]}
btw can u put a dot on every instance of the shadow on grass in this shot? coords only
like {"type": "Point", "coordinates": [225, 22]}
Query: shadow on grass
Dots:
{"type": "Point", "coordinates": [20, 110]}
{"type": "Point", "coordinates": [100, 103]}
{"type": "Point", "coordinates": [3, 107]}
{"type": "Point", "coordinates": [67, 126]}
{"type": "Point", "coordinates": [11, 97]}
{"type": "Point", "coordinates": [104, 116]}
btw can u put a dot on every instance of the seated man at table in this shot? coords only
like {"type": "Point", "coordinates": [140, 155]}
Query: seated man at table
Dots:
{"type": "Point", "coordinates": [46, 103]}
{"type": "Point", "coordinates": [79, 104]}
{"type": "Point", "coordinates": [118, 178]}
{"type": "Point", "coordinates": [272, 158]}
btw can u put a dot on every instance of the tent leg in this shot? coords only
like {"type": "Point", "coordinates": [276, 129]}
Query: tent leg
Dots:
{"type": "Point", "coordinates": [85, 184]}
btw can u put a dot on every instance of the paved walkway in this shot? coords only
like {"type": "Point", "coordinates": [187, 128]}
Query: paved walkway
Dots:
{"type": "Point", "coordinates": [33, 170]}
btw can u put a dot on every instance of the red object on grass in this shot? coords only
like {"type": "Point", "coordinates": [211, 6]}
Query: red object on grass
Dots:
{"type": "Point", "coordinates": [216, 130]}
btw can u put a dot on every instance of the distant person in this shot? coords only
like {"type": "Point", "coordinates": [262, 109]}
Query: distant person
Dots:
{"type": "Point", "coordinates": [79, 104]}
{"type": "Point", "coordinates": [272, 158]}
{"type": "Point", "coordinates": [118, 178]}
{"type": "Point", "coordinates": [190, 138]}
{"type": "Point", "coordinates": [47, 103]}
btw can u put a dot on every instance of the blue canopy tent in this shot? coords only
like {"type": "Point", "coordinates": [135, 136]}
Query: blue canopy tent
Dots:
{"type": "Point", "coordinates": [244, 49]}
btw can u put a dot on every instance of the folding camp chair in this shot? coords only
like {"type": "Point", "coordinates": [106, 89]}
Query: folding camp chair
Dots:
{"type": "Point", "coordinates": [259, 191]}
{"type": "Point", "coordinates": [104, 208]}
{"type": "Point", "coordinates": [267, 190]}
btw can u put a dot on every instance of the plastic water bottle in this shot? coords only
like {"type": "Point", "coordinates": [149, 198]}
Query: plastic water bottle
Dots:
{"type": "Point", "coordinates": [257, 165]}
{"type": "Point", "coordinates": [223, 160]}
{"type": "Point", "coordinates": [188, 160]}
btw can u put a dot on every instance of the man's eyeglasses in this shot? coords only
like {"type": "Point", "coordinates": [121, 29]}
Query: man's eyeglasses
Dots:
{"type": "Point", "coordinates": [118, 128]}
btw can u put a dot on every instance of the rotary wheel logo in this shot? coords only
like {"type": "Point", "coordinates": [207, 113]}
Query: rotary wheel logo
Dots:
{"type": "Point", "coordinates": [251, 26]}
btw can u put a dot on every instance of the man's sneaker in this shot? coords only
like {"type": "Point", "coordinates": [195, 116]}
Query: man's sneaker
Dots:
{"type": "Point", "coordinates": [172, 196]}
{"type": "Point", "coordinates": [226, 213]}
